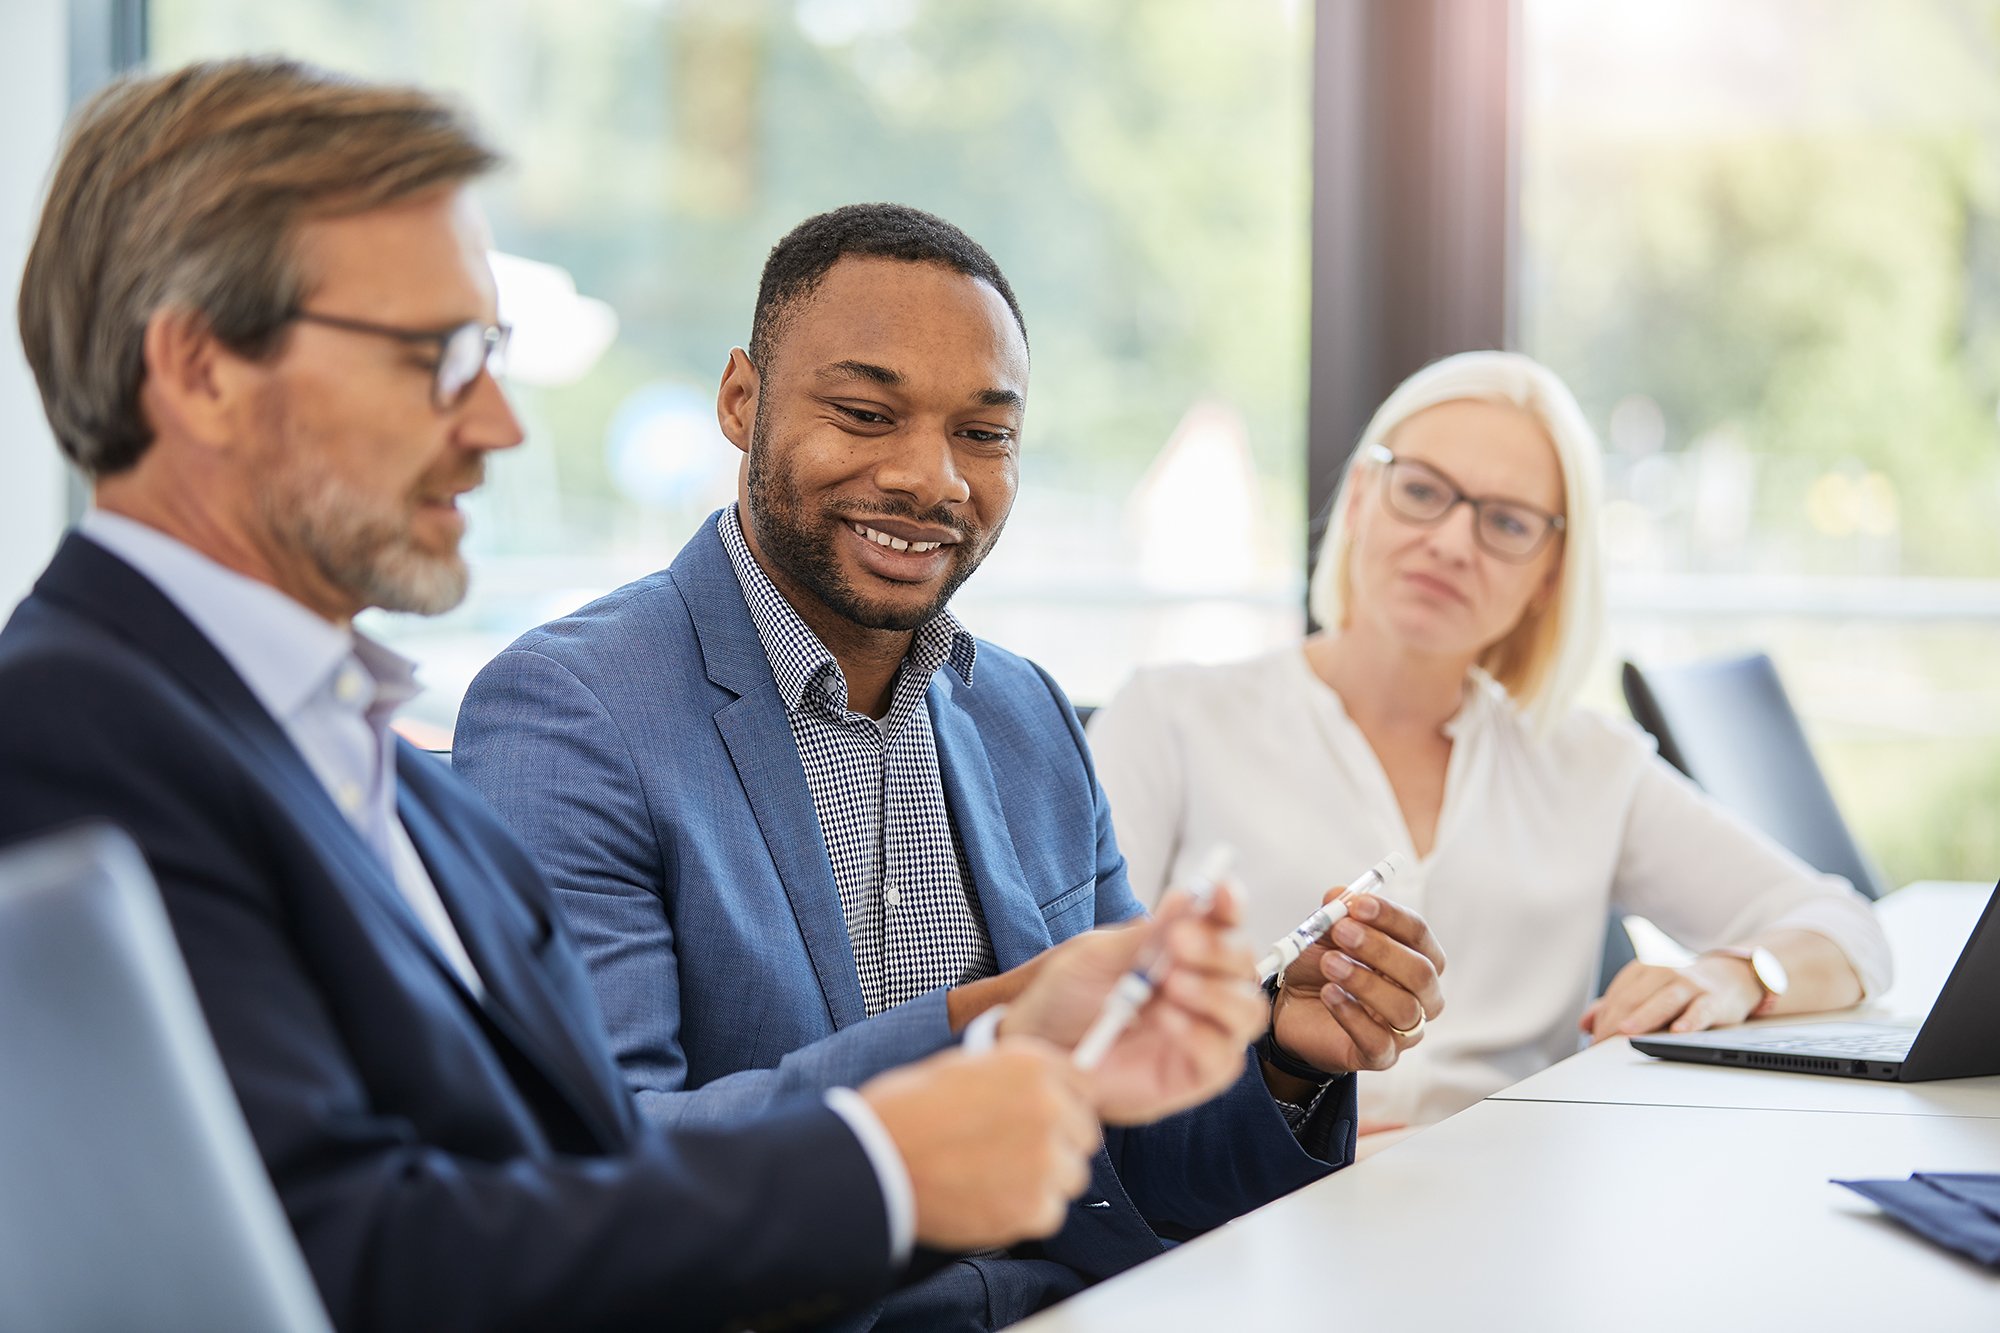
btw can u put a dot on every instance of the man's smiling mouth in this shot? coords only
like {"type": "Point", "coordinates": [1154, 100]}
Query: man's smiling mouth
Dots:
{"type": "Point", "coordinates": [881, 538]}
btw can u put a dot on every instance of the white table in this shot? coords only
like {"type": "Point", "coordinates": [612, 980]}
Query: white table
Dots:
{"type": "Point", "coordinates": [1612, 1072]}
{"type": "Point", "coordinates": [1617, 1192]}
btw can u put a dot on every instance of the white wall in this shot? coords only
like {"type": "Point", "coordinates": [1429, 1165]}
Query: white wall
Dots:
{"type": "Point", "coordinates": [34, 97]}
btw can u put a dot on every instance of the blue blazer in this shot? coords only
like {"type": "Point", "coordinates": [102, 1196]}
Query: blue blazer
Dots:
{"type": "Point", "coordinates": [641, 750]}
{"type": "Point", "coordinates": [447, 1162]}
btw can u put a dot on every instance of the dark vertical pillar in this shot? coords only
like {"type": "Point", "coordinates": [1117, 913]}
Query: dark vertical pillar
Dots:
{"type": "Point", "coordinates": [1413, 204]}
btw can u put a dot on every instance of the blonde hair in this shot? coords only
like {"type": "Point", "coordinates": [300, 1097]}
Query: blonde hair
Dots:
{"type": "Point", "coordinates": [1542, 660]}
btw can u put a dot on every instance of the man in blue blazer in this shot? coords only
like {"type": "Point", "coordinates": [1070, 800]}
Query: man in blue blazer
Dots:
{"type": "Point", "coordinates": [259, 310]}
{"type": "Point", "coordinates": [798, 816]}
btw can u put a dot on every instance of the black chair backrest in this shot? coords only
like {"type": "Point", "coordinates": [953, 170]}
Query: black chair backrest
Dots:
{"type": "Point", "coordinates": [1618, 950]}
{"type": "Point", "coordinates": [1729, 726]}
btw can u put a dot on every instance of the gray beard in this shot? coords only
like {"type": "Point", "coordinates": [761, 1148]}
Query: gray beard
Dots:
{"type": "Point", "coordinates": [369, 555]}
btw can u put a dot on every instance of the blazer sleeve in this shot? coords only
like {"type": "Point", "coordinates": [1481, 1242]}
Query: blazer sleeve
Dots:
{"type": "Point", "coordinates": [1196, 1170]}
{"type": "Point", "coordinates": [541, 747]}
{"type": "Point", "coordinates": [1139, 762]}
{"type": "Point", "coordinates": [779, 1218]}
{"type": "Point", "coordinates": [1060, 743]}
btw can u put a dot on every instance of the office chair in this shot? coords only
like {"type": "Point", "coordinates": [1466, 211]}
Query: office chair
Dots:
{"type": "Point", "coordinates": [1618, 949]}
{"type": "Point", "coordinates": [131, 1193]}
{"type": "Point", "coordinates": [1729, 726]}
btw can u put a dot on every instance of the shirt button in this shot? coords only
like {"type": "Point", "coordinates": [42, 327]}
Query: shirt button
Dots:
{"type": "Point", "coordinates": [347, 685]}
{"type": "Point", "coordinates": [891, 896]}
{"type": "Point", "coordinates": [349, 796]}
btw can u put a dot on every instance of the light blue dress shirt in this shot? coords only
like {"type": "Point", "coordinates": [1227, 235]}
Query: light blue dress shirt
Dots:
{"type": "Point", "coordinates": [333, 690]}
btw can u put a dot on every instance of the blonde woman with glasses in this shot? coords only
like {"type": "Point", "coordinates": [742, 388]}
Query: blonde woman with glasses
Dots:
{"type": "Point", "coordinates": [1462, 589]}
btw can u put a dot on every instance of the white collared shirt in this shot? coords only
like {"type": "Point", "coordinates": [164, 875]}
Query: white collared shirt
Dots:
{"type": "Point", "coordinates": [1536, 838]}
{"type": "Point", "coordinates": [333, 690]}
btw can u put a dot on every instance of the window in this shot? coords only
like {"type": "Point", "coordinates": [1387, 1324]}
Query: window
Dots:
{"type": "Point", "coordinates": [1761, 239]}
{"type": "Point", "coordinates": [1138, 169]}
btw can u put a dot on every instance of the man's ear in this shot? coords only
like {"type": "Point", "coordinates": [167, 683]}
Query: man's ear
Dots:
{"type": "Point", "coordinates": [736, 399]}
{"type": "Point", "coordinates": [194, 387]}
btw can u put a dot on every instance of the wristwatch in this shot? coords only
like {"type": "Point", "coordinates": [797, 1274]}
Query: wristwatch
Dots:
{"type": "Point", "coordinates": [1764, 965]}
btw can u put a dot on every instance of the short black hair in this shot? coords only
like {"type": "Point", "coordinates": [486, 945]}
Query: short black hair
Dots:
{"type": "Point", "coordinates": [798, 262]}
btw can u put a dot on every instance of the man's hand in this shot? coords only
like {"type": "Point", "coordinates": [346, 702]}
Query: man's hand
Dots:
{"type": "Point", "coordinates": [1359, 997]}
{"type": "Point", "coordinates": [1709, 992]}
{"type": "Point", "coordinates": [996, 1144]}
{"type": "Point", "coordinates": [1186, 1045]}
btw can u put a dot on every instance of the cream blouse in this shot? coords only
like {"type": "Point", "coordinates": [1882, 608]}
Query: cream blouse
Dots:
{"type": "Point", "coordinates": [1535, 840]}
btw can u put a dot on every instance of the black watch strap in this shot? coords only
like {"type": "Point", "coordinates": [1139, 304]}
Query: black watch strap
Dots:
{"type": "Point", "coordinates": [1284, 1062]}
{"type": "Point", "coordinates": [1277, 1056]}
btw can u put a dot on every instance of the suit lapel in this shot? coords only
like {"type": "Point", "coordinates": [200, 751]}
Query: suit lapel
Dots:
{"type": "Point", "coordinates": [86, 577]}
{"type": "Point", "coordinates": [758, 736]}
{"type": "Point", "coordinates": [1013, 921]}
{"type": "Point", "coordinates": [496, 926]}
{"type": "Point", "coordinates": [759, 739]}
{"type": "Point", "coordinates": [337, 841]}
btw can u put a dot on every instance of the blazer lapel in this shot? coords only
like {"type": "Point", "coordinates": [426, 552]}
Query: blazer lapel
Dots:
{"type": "Point", "coordinates": [496, 928]}
{"type": "Point", "coordinates": [1013, 920]}
{"type": "Point", "coordinates": [759, 739]}
{"type": "Point", "coordinates": [86, 577]}
{"type": "Point", "coordinates": [758, 736]}
{"type": "Point", "coordinates": [338, 842]}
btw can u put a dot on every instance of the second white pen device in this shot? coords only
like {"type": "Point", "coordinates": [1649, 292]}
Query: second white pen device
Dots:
{"type": "Point", "coordinates": [1287, 950]}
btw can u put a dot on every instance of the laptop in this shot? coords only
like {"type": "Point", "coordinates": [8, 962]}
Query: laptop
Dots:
{"type": "Point", "coordinates": [1960, 1037]}
{"type": "Point", "coordinates": [131, 1195]}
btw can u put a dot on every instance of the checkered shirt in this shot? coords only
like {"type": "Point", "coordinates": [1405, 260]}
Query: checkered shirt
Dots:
{"type": "Point", "coordinates": [912, 920]}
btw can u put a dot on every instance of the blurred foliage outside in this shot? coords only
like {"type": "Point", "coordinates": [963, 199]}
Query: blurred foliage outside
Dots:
{"type": "Point", "coordinates": [1138, 168]}
{"type": "Point", "coordinates": [1761, 239]}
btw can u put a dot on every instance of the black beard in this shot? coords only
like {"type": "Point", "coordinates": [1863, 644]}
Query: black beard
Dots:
{"type": "Point", "coordinates": [806, 556]}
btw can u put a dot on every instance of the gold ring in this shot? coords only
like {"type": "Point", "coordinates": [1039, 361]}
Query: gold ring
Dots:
{"type": "Point", "coordinates": [1412, 1030]}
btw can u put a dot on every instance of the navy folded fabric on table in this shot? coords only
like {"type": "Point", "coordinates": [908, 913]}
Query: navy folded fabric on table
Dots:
{"type": "Point", "coordinates": [1960, 1211]}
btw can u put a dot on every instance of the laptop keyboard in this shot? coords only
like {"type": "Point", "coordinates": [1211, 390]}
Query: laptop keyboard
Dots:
{"type": "Point", "coordinates": [1867, 1045]}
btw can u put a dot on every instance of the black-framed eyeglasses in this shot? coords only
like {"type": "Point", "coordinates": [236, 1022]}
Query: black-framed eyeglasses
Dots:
{"type": "Point", "coordinates": [1418, 492]}
{"type": "Point", "coordinates": [462, 350]}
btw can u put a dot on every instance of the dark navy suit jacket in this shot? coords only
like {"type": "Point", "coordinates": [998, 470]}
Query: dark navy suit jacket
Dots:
{"type": "Point", "coordinates": [641, 749]}
{"type": "Point", "coordinates": [447, 1163]}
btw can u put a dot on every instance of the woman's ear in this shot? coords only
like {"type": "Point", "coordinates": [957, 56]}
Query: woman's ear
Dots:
{"type": "Point", "coordinates": [1364, 476]}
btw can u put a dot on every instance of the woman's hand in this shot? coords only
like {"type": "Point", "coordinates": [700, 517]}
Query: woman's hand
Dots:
{"type": "Point", "coordinates": [1712, 991]}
